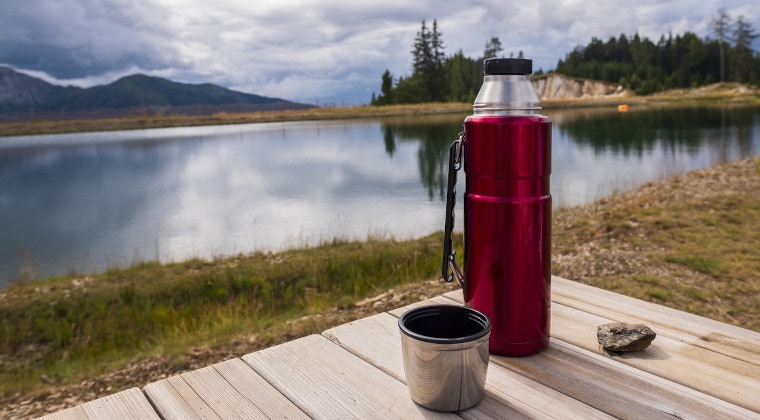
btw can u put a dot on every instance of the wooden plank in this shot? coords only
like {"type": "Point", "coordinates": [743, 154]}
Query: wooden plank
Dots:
{"type": "Point", "coordinates": [375, 340]}
{"type": "Point", "coordinates": [703, 332]}
{"type": "Point", "coordinates": [696, 367]}
{"type": "Point", "coordinates": [713, 373]}
{"type": "Point", "coordinates": [130, 403]}
{"type": "Point", "coordinates": [508, 394]}
{"type": "Point", "coordinates": [73, 413]}
{"type": "Point", "coordinates": [620, 390]}
{"type": "Point", "coordinates": [173, 398]}
{"type": "Point", "coordinates": [226, 401]}
{"type": "Point", "coordinates": [257, 390]}
{"type": "Point", "coordinates": [326, 381]}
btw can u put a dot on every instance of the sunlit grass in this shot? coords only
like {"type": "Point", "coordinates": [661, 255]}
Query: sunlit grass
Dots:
{"type": "Point", "coordinates": [56, 326]}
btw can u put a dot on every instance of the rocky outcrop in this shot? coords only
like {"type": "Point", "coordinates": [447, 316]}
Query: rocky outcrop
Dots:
{"type": "Point", "coordinates": [558, 86]}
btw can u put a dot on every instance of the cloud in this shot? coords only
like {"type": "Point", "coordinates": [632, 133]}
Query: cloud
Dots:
{"type": "Point", "coordinates": [331, 50]}
{"type": "Point", "coordinates": [79, 39]}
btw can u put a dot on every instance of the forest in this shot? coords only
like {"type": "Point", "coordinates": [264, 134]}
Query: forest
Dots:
{"type": "Point", "coordinates": [636, 62]}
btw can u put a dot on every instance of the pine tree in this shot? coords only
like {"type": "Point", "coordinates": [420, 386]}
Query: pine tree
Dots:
{"type": "Point", "coordinates": [743, 35]}
{"type": "Point", "coordinates": [422, 55]}
{"type": "Point", "coordinates": [436, 45]}
{"type": "Point", "coordinates": [436, 77]}
{"type": "Point", "coordinates": [493, 48]}
{"type": "Point", "coordinates": [427, 67]}
{"type": "Point", "coordinates": [720, 26]}
{"type": "Point", "coordinates": [386, 89]}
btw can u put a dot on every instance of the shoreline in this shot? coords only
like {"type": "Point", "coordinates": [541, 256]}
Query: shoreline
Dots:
{"type": "Point", "coordinates": [725, 94]}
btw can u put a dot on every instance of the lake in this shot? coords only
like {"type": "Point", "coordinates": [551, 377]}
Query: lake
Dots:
{"type": "Point", "coordinates": [80, 203]}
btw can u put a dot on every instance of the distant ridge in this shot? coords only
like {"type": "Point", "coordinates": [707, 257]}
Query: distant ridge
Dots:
{"type": "Point", "coordinates": [24, 97]}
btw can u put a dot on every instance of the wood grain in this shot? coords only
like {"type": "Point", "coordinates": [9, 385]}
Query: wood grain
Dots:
{"type": "Point", "coordinates": [173, 398]}
{"type": "Point", "coordinates": [270, 402]}
{"type": "Point", "coordinates": [735, 342]}
{"type": "Point", "coordinates": [671, 356]}
{"type": "Point", "coordinates": [328, 382]}
{"type": "Point", "coordinates": [130, 403]}
{"type": "Point", "coordinates": [73, 413]}
{"type": "Point", "coordinates": [508, 394]}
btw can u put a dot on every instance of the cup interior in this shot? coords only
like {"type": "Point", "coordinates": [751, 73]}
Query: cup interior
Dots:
{"type": "Point", "coordinates": [445, 324]}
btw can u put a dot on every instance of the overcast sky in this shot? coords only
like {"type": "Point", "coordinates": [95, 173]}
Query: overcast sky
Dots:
{"type": "Point", "coordinates": [314, 51]}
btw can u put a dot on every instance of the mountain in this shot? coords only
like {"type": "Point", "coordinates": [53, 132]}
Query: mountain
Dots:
{"type": "Point", "coordinates": [19, 91]}
{"type": "Point", "coordinates": [25, 97]}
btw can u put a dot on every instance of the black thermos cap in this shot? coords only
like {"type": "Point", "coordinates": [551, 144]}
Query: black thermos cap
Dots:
{"type": "Point", "coordinates": [508, 66]}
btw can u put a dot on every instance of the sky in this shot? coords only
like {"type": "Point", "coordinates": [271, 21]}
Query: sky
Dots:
{"type": "Point", "coordinates": [322, 52]}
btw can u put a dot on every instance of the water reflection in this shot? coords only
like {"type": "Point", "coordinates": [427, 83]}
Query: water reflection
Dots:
{"type": "Point", "coordinates": [434, 135]}
{"type": "Point", "coordinates": [86, 202]}
{"type": "Point", "coordinates": [638, 132]}
{"type": "Point", "coordinates": [597, 153]}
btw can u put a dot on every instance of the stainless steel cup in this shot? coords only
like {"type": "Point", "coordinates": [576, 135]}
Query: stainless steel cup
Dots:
{"type": "Point", "coordinates": [445, 351]}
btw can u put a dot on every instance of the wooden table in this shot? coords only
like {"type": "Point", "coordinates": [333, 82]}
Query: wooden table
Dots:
{"type": "Point", "coordinates": [695, 368]}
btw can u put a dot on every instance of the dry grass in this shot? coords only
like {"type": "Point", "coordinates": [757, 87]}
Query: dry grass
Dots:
{"type": "Point", "coordinates": [143, 122]}
{"type": "Point", "coordinates": [691, 242]}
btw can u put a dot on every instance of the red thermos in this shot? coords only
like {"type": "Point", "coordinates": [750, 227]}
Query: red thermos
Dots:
{"type": "Point", "coordinates": [506, 151]}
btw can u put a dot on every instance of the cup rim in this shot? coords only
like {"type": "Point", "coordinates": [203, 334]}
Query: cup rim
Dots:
{"type": "Point", "coordinates": [473, 315]}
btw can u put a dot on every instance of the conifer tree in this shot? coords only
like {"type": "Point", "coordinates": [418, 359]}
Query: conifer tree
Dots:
{"type": "Point", "coordinates": [743, 35]}
{"type": "Point", "coordinates": [422, 55]}
{"type": "Point", "coordinates": [720, 26]}
{"type": "Point", "coordinates": [493, 48]}
{"type": "Point", "coordinates": [436, 75]}
{"type": "Point", "coordinates": [386, 88]}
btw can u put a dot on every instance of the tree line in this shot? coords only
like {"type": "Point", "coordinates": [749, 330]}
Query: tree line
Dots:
{"type": "Point", "coordinates": [672, 62]}
{"type": "Point", "coordinates": [635, 62]}
{"type": "Point", "coordinates": [436, 77]}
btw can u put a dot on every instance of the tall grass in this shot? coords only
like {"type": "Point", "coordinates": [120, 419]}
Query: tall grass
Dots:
{"type": "Point", "coordinates": [128, 311]}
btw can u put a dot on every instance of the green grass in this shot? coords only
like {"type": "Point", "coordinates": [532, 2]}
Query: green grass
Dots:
{"type": "Point", "coordinates": [54, 327]}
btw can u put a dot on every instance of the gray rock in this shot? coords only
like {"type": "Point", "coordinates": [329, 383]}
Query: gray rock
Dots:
{"type": "Point", "coordinates": [621, 337]}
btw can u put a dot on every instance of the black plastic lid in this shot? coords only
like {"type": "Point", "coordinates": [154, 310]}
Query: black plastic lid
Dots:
{"type": "Point", "coordinates": [508, 66]}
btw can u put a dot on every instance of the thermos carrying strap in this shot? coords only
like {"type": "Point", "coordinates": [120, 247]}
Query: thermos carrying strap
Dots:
{"type": "Point", "coordinates": [449, 255]}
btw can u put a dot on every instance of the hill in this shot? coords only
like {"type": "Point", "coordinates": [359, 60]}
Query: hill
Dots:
{"type": "Point", "coordinates": [25, 97]}
{"type": "Point", "coordinates": [19, 91]}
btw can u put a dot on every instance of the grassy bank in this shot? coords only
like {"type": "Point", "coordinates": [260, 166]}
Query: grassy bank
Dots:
{"type": "Point", "coordinates": [159, 121]}
{"type": "Point", "coordinates": [54, 328]}
{"type": "Point", "coordinates": [718, 94]}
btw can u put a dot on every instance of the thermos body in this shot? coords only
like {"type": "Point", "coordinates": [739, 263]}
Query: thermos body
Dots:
{"type": "Point", "coordinates": [507, 228]}
{"type": "Point", "coordinates": [506, 153]}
